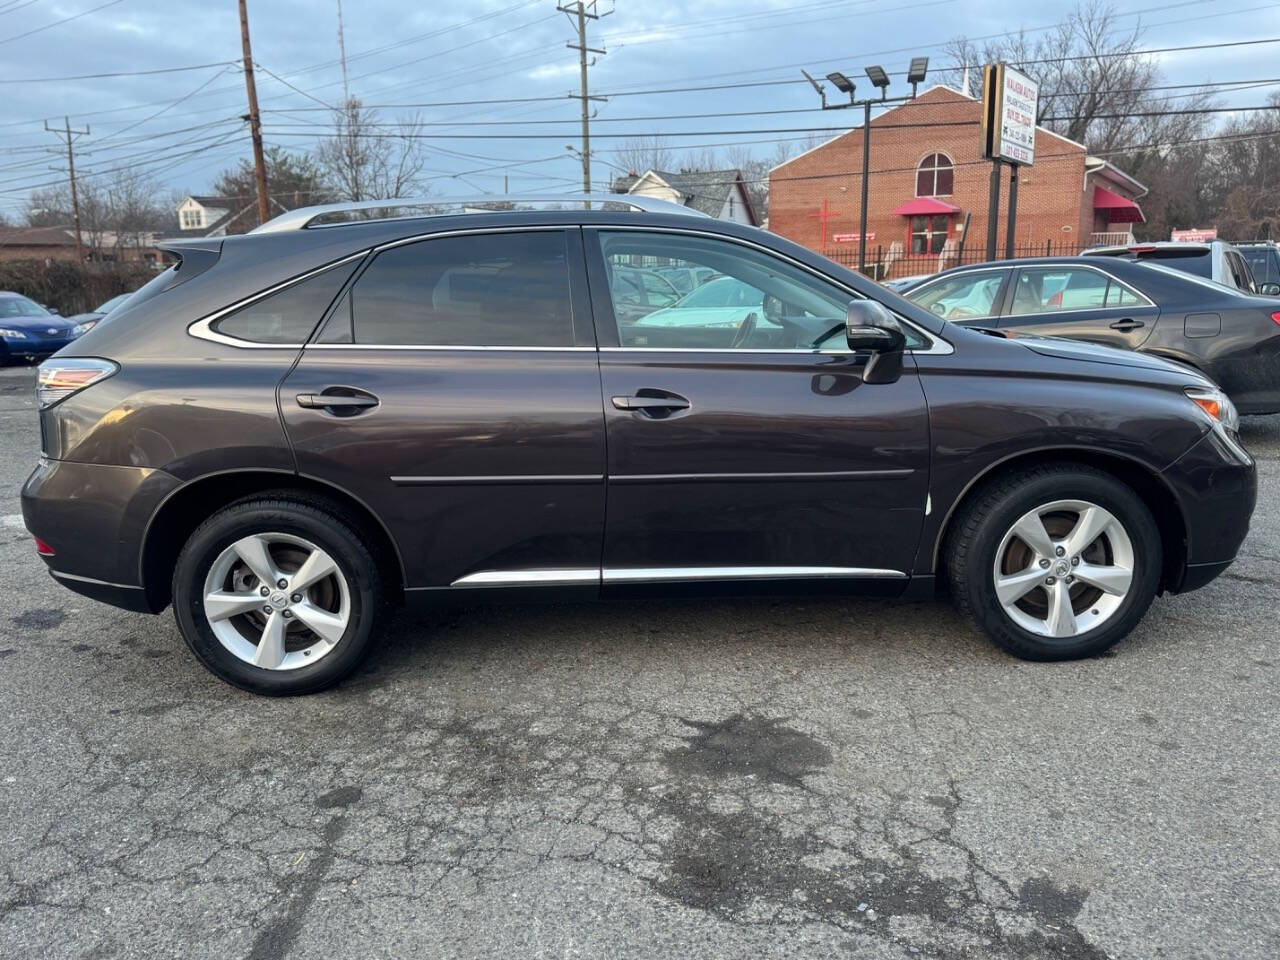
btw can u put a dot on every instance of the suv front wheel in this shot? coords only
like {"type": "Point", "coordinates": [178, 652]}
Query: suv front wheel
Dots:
{"type": "Point", "coordinates": [277, 595]}
{"type": "Point", "coordinates": [1055, 562]}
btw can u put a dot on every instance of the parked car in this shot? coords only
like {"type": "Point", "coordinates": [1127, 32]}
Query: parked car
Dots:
{"type": "Point", "coordinates": [1263, 257]}
{"type": "Point", "coordinates": [87, 321]}
{"type": "Point", "coordinates": [1214, 260]}
{"type": "Point", "coordinates": [637, 291]}
{"type": "Point", "coordinates": [686, 279]}
{"type": "Point", "coordinates": [28, 331]}
{"type": "Point", "coordinates": [303, 426]}
{"type": "Point", "coordinates": [1230, 336]}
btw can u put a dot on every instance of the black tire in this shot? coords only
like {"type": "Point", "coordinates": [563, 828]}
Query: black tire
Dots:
{"type": "Point", "coordinates": [977, 532]}
{"type": "Point", "coordinates": [323, 524]}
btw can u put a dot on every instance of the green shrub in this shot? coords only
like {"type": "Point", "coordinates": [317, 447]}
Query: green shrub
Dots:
{"type": "Point", "coordinates": [70, 287]}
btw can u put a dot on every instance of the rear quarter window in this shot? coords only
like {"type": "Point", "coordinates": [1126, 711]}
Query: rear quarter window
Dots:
{"type": "Point", "coordinates": [289, 315]}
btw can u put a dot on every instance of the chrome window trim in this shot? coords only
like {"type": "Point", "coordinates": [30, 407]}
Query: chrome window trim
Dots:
{"type": "Point", "coordinates": [937, 345]}
{"type": "Point", "coordinates": [1081, 266]}
{"type": "Point", "coordinates": [202, 329]}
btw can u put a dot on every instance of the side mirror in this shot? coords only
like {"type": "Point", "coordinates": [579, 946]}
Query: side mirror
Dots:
{"type": "Point", "coordinates": [1270, 289]}
{"type": "Point", "coordinates": [772, 308]}
{"type": "Point", "coordinates": [869, 327]}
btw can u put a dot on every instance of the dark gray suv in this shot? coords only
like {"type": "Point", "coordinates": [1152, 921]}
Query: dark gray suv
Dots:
{"type": "Point", "coordinates": [291, 431]}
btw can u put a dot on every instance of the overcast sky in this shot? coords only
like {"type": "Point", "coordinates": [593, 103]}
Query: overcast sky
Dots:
{"type": "Point", "coordinates": [431, 51]}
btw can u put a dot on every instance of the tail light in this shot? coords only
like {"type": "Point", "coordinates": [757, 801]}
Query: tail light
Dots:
{"type": "Point", "coordinates": [1276, 317]}
{"type": "Point", "coordinates": [43, 548]}
{"type": "Point", "coordinates": [1143, 248]}
{"type": "Point", "coordinates": [59, 379]}
{"type": "Point", "coordinates": [1055, 300]}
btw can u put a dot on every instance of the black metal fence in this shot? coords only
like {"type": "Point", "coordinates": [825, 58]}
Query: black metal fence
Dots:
{"type": "Point", "coordinates": [888, 263]}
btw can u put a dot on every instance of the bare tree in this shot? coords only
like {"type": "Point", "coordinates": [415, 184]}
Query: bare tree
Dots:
{"type": "Point", "coordinates": [1096, 85]}
{"type": "Point", "coordinates": [638, 154]}
{"type": "Point", "coordinates": [368, 160]}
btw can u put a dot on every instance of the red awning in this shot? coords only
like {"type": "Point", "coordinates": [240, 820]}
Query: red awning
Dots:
{"type": "Point", "coordinates": [924, 207]}
{"type": "Point", "coordinates": [1120, 209]}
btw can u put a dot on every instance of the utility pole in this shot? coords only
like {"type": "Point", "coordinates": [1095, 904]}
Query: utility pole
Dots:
{"type": "Point", "coordinates": [255, 120]}
{"type": "Point", "coordinates": [584, 10]}
{"type": "Point", "coordinates": [71, 175]}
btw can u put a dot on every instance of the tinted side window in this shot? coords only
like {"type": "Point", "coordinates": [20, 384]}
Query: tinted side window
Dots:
{"type": "Point", "coordinates": [757, 302]}
{"type": "Point", "coordinates": [481, 290]}
{"type": "Point", "coordinates": [965, 296]}
{"type": "Point", "coordinates": [289, 315]}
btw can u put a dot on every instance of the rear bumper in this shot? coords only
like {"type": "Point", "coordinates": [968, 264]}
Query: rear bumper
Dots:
{"type": "Point", "coordinates": [115, 594]}
{"type": "Point", "coordinates": [95, 518]}
{"type": "Point", "coordinates": [1217, 489]}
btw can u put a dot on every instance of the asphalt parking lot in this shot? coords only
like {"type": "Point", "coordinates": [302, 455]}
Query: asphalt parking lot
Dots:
{"type": "Point", "coordinates": [669, 779]}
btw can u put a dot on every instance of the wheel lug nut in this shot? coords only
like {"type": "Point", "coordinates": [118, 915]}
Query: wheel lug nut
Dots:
{"type": "Point", "coordinates": [1050, 580]}
{"type": "Point", "coordinates": [1044, 564]}
{"type": "Point", "coordinates": [287, 614]}
{"type": "Point", "coordinates": [267, 609]}
{"type": "Point", "coordinates": [1061, 551]}
{"type": "Point", "coordinates": [1071, 579]}
{"type": "Point", "coordinates": [1075, 561]}
{"type": "Point", "coordinates": [282, 583]}
{"type": "Point", "coordinates": [264, 591]}
{"type": "Point", "coordinates": [296, 598]}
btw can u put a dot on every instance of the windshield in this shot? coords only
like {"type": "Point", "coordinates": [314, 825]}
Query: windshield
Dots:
{"type": "Point", "coordinates": [21, 307]}
{"type": "Point", "coordinates": [112, 303]}
{"type": "Point", "coordinates": [725, 292]}
{"type": "Point", "coordinates": [1263, 262]}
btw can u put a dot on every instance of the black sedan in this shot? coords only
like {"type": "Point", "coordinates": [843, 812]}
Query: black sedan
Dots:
{"type": "Point", "coordinates": [1229, 335]}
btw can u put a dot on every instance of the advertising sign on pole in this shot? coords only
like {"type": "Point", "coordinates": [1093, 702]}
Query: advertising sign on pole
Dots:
{"type": "Point", "coordinates": [1009, 103]}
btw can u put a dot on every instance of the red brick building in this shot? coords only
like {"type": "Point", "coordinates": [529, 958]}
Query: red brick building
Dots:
{"type": "Point", "coordinates": [927, 174]}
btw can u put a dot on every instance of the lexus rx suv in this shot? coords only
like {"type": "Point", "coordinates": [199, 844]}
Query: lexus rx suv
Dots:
{"type": "Point", "coordinates": [293, 431]}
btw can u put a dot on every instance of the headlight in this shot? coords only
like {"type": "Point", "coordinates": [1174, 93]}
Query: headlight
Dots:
{"type": "Point", "coordinates": [12, 334]}
{"type": "Point", "coordinates": [80, 329]}
{"type": "Point", "coordinates": [59, 379]}
{"type": "Point", "coordinates": [1217, 405]}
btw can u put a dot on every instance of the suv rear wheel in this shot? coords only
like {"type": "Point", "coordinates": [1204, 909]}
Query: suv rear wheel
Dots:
{"type": "Point", "coordinates": [1055, 562]}
{"type": "Point", "coordinates": [277, 595]}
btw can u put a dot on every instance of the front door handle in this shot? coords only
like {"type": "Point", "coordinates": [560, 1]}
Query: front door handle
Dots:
{"type": "Point", "coordinates": [651, 403]}
{"type": "Point", "coordinates": [1127, 324]}
{"type": "Point", "coordinates": [337, 403]}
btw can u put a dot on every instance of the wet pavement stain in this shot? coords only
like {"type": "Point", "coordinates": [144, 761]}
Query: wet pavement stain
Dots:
{"type": "Point", "coordinates": [749, 747]}
{"type": "Point", "coordinates": [39, 619]}
{"type": "Point", "coordinates": [736, 854]}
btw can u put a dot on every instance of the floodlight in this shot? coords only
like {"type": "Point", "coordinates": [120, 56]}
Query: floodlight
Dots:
{"type": "Point", "coordinates": [878, 77]}
{"type": "Point", "coordinates": [842, 83]}
{"type": "Point", "coordinates": [919, 67]}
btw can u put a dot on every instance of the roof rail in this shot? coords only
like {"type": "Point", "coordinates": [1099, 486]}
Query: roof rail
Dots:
{"type": "Point", "coordinates": [302, 217]}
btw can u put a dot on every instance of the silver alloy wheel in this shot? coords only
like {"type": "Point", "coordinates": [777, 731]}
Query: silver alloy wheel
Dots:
{"type": "Point", "coordinates": [277, 601]}
{"type": "Point", "coordinates": [1064, 568]}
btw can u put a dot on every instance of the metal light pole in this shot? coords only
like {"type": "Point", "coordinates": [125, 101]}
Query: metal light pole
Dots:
{"type": "Point", "coordinates": [880, 80]}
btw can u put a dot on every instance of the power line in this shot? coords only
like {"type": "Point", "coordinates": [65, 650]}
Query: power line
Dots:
{"type": "Point", "coordinates": [56, 23]}
{"type": "Point", "coordinates": [127, 73]}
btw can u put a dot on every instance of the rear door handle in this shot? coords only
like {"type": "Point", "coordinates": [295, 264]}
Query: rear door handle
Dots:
{"type": "Point", "coordinates": [333, 401]}
{"type": "Point", "coordinates": [651, 403]}
{"type": "Point", "coordinates": [1127, 324]}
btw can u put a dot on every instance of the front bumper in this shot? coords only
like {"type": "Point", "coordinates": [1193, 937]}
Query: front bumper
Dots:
{"type": "Point", "coordinates": [1217, 487]}
{"type": "Point", "coordinates": [34, 349]}
{"type": "Point", "coordinates": [95, 517]}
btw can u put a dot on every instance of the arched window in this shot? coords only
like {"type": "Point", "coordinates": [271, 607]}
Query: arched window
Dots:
{"type": "Point", "coordinates": [935, 177]}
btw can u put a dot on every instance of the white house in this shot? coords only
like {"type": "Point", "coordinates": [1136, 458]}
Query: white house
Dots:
{"type": "Point", "coordinates": [718, 193]}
